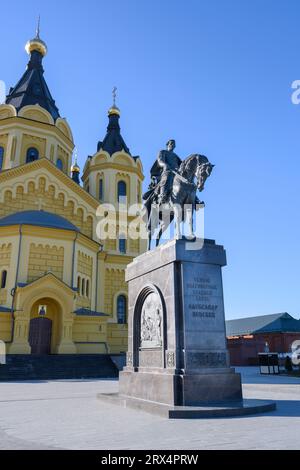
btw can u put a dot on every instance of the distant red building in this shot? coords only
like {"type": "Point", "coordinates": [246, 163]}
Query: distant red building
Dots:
{"type": "Point", "coordinates": [246, 337]}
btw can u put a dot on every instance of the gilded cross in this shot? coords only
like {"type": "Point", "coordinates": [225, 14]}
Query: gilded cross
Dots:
{"type": "Point", "coordinates": [38, 27]}
{"type": "Point", "coordinates": [114, 93]}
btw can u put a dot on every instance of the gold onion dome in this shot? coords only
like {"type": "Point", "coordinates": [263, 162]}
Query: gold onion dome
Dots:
{"type": "Point", "coordinates": [114, 109]}
{"type": "Point", "coordinates": [36, 44]}
{"type": "Point", "coordinates": [75, 168]}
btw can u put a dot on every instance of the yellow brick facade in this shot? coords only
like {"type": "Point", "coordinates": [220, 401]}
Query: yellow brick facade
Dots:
{"type": "Point", "coordinates": [35, 195]}
{"type": "Point", "coordinates": [62, 268]}
{"type": "Point", "coordinates": [43, 259]}
{"type": "Point", "coordinates": [5, 260]}
{"type": "Point", "coordinates": [114, 283]}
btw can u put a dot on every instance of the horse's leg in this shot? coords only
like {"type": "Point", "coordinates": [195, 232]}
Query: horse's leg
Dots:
{"type": "Point", "coordinates": [161, 229]}
{"type": "Point", "coordinates": [149, 240]}
{"type": "Point", "coordinates": [177, 217]}
{"type": "Point", "coordinates": [164, 221]}
{"type": "Point", "coordinates": [189, 221]}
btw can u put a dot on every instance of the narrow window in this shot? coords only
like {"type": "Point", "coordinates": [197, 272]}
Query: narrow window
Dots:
{"type": "Point", "coordinates": [1, 157]}
{"type": "Point", "coordinates": [101, 189]}
{"type": "Point", "coordinates": [83, 287]}
{"type": "Point", "coordinates": [78, 284]}
{"type": "Point", "coordinates": [3, 279]}
{"type": "Point", "coordinates": [121, 309]}
{"type": "Point", "coordinates": [59, 164]}
{"type": "Point", "coordinates": [87, 288]}
{"type": "Point", "coordinates": [122, 244]}
{"type": "Point", "coordinates": [32, 155]}
{"type": "Point", "coordinates": [122, 189]}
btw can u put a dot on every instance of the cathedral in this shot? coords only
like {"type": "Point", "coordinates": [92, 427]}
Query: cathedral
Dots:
{"type": "Point", "coordinates": [62, 288]}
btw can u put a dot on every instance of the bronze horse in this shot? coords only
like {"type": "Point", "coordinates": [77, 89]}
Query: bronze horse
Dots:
{"type": "Point", "coordinates": [191, 177]}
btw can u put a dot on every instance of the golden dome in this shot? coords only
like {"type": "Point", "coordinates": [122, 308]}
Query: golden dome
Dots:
{"type": "Point", "coordinates": [114, 110]}
{"type": "Point", "coordinates": [75, 168]}
{"type": "Point", "coordinates": [36, 44]}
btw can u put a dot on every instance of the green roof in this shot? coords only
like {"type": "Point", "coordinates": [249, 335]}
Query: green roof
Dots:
{"type": "Point", "coordinates": [276, 323]}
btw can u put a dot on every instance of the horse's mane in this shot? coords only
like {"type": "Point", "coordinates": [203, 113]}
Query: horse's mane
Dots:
{"type": "Point", "coordinates": [185, 165]}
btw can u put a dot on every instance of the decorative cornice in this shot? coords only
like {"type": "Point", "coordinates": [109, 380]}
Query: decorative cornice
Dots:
{"type": "Point", "coordinates": [46, 278]}
{"type": "Point", "coordinates": [112, 166]}
{"type": "Point", "coordinates": [48, 165]}
{"type": "Point", "coordinates": [118, 259]}
{"type": "Point", "coordinates": [15, 120]}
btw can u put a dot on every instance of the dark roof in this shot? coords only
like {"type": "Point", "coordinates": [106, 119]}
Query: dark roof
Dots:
{"type": "Point", "coordinates": [38, 218]}
{"type": "Point", "coordinates": [4, 309]}
{"type": "Point", "coordinates": [278, 322]}
{"type": "Point", "coordinates": [32, 88]}
{"type": "Point", "coordinates": [89, 313]}
{"type": "Point", "coordinates": [113, 141]}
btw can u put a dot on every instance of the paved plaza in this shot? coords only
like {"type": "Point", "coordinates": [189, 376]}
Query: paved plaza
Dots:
{"type": "Point", "coordinates": [67, 415]}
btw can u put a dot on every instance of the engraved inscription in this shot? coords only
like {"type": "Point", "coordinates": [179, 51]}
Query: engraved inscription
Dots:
{"type": "Point", "coordinates": [211, 359]}
{"type": "Point", "coordinates": [200, 291]}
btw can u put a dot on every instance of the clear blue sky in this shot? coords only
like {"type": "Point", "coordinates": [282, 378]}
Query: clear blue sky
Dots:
{"type": "Point", "coordinates": [213, 74]}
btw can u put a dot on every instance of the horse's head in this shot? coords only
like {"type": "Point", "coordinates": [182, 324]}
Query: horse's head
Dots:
{"type": "Point", "coordinates": [204, 170]}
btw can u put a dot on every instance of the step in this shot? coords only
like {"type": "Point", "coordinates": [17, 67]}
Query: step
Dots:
{"type": "Point", "coordinates": [52, 367]}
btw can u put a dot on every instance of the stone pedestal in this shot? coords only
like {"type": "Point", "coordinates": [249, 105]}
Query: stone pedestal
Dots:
{"type": "Point", "coordinates": [177, 353]}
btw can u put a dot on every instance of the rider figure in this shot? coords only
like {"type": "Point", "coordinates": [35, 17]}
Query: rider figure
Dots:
{"type": "Point", "coordinates": [169, 164]}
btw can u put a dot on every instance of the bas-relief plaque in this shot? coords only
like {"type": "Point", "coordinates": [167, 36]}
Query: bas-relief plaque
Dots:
{"type": "Point", "coordinates": [151, 322]}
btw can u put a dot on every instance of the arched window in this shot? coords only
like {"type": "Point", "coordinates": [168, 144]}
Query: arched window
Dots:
{"type": "Point", "coordinates": [87, 288]}
{"type": "Point", "coordinates": [121, 309]}
{"type": "Point", "coordinates": [122, 189]}
{"type": "Point", "coordinates": [1, 157]}
{"type": "Point", "coordinates": [59, 164]}
{"type": "Point", "coordinates": [101, 189]}
{"type": "Point", "coordinates": [83, 287]}
{"type": "Point", "coordinates": [3, 279]}
{"type": "Point", "coordinates": [32, 155]}
{"type": "Point", "coordinates": [122, 244]}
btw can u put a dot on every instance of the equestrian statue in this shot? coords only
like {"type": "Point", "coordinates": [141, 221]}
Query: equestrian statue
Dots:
{"type": "Point", "coordinates": [173, 190]}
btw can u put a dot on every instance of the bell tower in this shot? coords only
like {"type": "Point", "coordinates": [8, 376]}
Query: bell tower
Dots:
{"type": "Point", "coordinates": [30, 123]}
{"type": "Point", "coordinates": [111, 175]}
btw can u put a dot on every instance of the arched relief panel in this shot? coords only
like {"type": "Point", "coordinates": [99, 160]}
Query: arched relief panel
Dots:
{"type": "Point", "coordinates": [149, 327]}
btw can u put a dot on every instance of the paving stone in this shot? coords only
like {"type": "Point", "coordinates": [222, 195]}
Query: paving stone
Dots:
{"type": "Point", "coordinates": [66, 414]}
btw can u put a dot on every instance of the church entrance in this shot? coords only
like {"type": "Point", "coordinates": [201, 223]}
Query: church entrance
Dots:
{"type": "Point", "coordinates": [45, 328]}
{"type": "Point", "coordinates": [40, 334]}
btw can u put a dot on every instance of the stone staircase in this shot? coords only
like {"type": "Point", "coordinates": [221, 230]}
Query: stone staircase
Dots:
{"type": "Point", "coordinates": [55, 367]}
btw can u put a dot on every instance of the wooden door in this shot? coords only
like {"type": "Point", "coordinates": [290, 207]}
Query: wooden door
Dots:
{"type": "Point", "coordinates": [40, 335]}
